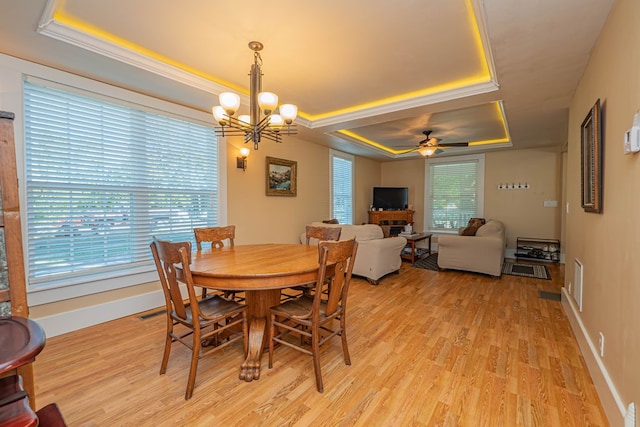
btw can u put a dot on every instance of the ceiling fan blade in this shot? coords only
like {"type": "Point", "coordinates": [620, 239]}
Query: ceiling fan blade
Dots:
{"type": "Point", "coordinates": [453, 144]}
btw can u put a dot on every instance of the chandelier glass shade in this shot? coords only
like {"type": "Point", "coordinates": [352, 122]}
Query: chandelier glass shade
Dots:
{"type": "Point", "coordinates": [266, 119]}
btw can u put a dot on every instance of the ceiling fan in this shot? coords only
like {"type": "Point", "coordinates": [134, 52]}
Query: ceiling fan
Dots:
{"type": "Point", "coordinates": [431, 145]}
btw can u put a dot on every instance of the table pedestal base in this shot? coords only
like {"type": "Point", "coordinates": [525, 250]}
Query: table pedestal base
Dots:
{"type": "Point", "coordinates": [259, 303]}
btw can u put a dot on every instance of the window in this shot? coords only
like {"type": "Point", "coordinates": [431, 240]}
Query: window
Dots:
{"type": "Point", "coordinates": [103, 177]}
{"type": "Point", "coordinates": [455, 191]}
{"type": "Point", "coordinates": [341, 187]}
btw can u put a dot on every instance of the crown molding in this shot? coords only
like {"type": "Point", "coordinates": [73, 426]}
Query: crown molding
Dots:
{"type": "Point", "coordinates": [49, 27]}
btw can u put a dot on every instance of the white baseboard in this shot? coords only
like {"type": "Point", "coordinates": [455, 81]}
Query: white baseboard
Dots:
{"type": "Point", "coordinates": [607, 392]}
{"type": "Point", "coordinates": [73, 320]}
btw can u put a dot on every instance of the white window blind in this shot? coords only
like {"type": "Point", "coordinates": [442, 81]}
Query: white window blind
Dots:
{"type": "Point", "coordinates": [103, 178]}
{"type": "Point", "coordinates": [342, 187]}
{"type": "Point", "coordinates": [455, 193]}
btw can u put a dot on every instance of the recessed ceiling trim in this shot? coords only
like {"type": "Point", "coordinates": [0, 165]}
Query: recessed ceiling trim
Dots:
{"type": "Point", "coordinates": [406, 154]}
{"type": "Point", "coordinates": [483, 34]}
{"type": "Point", "coordinates": [498, 142]}
{"type": "Point", "coordinates": [369, 145]}
{"type": "Point", "coordinates": [62, 31]}
{"type": "Point", "coordinates": [420, 101]}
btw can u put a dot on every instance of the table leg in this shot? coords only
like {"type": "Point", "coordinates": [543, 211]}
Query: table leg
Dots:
{"type": "Point", "coordinates": [413, 251]}
{"type": "Point", "coordinates": [250, 369]}
{"type": "Point", "coordinates": [258, 304]}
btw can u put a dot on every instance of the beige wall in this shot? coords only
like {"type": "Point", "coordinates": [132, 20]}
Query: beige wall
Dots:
{"type": "Point", "coordinates": [368, 175]}
{"type": "Point", "coordinates": [522, 211]}
{"type": "Point", "coordinates": [408, 173]}
{"type": "Point", "coordinates": [606, 243]}
{"type": "Point", "coordinates": [260, 218]}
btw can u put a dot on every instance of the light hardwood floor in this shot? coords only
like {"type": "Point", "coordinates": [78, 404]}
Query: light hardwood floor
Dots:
{"type": "Point", "coordinates": [427, 348]}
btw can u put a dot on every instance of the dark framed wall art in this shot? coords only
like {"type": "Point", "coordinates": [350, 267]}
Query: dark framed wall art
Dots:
{"type": "Point", "coordinates": [591, 156]}
{"type": "Point", "coordinates": [281, 177]}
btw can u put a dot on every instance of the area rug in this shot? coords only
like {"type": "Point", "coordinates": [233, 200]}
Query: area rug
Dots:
{"type": "Point", "coordinates": [514, 269]}
{"type": "Point", "coordinates": [428, 263]}
{"type": "Point", "coordinates": [527, 270]}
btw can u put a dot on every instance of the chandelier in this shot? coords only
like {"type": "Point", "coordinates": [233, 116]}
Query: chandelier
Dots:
{"type": "Point", "coordinates": [262, 122]}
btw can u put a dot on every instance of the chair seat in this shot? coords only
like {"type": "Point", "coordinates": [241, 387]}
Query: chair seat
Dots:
{"type": "Point", "coordinates": [214, 307]}
{"type": "Point", "coordinates": [50, 416]}
{"type": "Point", "coordinates": [299, 307]}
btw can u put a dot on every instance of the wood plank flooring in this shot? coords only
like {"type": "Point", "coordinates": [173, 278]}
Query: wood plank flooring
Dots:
{"type": "Point", "coordinates": [427, 348]}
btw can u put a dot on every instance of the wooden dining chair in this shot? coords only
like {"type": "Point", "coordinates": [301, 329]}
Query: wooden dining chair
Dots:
{"type": "Point", "coordinates": [216, 236]}
{"type": "Point", "coordinates": [319, 233]}
{"type": "Point", "coordinates": [310, 315]}
{"type": "Point", "coordinates": [214, 319]}
{"type": "Point", "coordinates": [322, 233]}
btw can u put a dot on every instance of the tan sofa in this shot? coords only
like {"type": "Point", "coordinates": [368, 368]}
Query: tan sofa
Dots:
{"type": "Point", "coordinates": [482, 253]}
{"type": "Point", "coordinates": [376, 255]}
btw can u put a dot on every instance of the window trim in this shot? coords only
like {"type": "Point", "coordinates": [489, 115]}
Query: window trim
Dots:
{"type": "Point", "coordinates": [350, 157]}
{"type": "Point", "coordinates": [480, 158]}
{"type": "Point", "coordinates": [143, 274]}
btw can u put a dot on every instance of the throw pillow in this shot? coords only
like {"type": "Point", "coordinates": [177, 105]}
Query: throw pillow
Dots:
{"type": "Point", "coordinates": [470, 230]}
{"type": "Point", "coordinates": [478, 221]}
{"type": "Point", "coordinates": [472, 226]}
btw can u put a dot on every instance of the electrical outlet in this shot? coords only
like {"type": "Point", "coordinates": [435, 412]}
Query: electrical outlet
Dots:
{"type": "Point", "coordinates": [601, 344]}
{"type": "Point", "coordinates": [570, 286]}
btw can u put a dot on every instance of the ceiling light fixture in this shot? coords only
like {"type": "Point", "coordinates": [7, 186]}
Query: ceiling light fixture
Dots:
{"type": "Point", "coordinates": [262, 121]}
{"type": "Point", "coordinates": [426, 151]}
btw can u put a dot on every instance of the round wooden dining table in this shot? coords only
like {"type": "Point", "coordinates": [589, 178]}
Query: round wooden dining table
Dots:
{"type": "Point", "coordinates": [261, 271]}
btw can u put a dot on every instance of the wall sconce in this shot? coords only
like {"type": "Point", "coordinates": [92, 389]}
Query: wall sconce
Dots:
{"type": "Point", "coordinates": [242, 160]}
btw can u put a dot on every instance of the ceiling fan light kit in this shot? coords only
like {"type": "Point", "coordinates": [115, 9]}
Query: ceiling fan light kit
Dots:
{"type": "Point", "coordinates": [431, 145]}
{"type": "Point", "coordinates": [262, 120]}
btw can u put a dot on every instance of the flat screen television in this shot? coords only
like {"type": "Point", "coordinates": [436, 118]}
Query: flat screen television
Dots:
{"type": "Point", "coordinates": [390, 198]}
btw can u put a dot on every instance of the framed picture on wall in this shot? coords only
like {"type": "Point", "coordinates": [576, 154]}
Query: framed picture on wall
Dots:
{"type": "Point", "coordinates": [281, 177]}
{"type": "Point", "coordinates": [591, 156]}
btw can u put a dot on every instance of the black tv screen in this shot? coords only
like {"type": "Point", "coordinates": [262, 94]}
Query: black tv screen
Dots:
{"type": "Point", "coordinates": [390, 198]}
